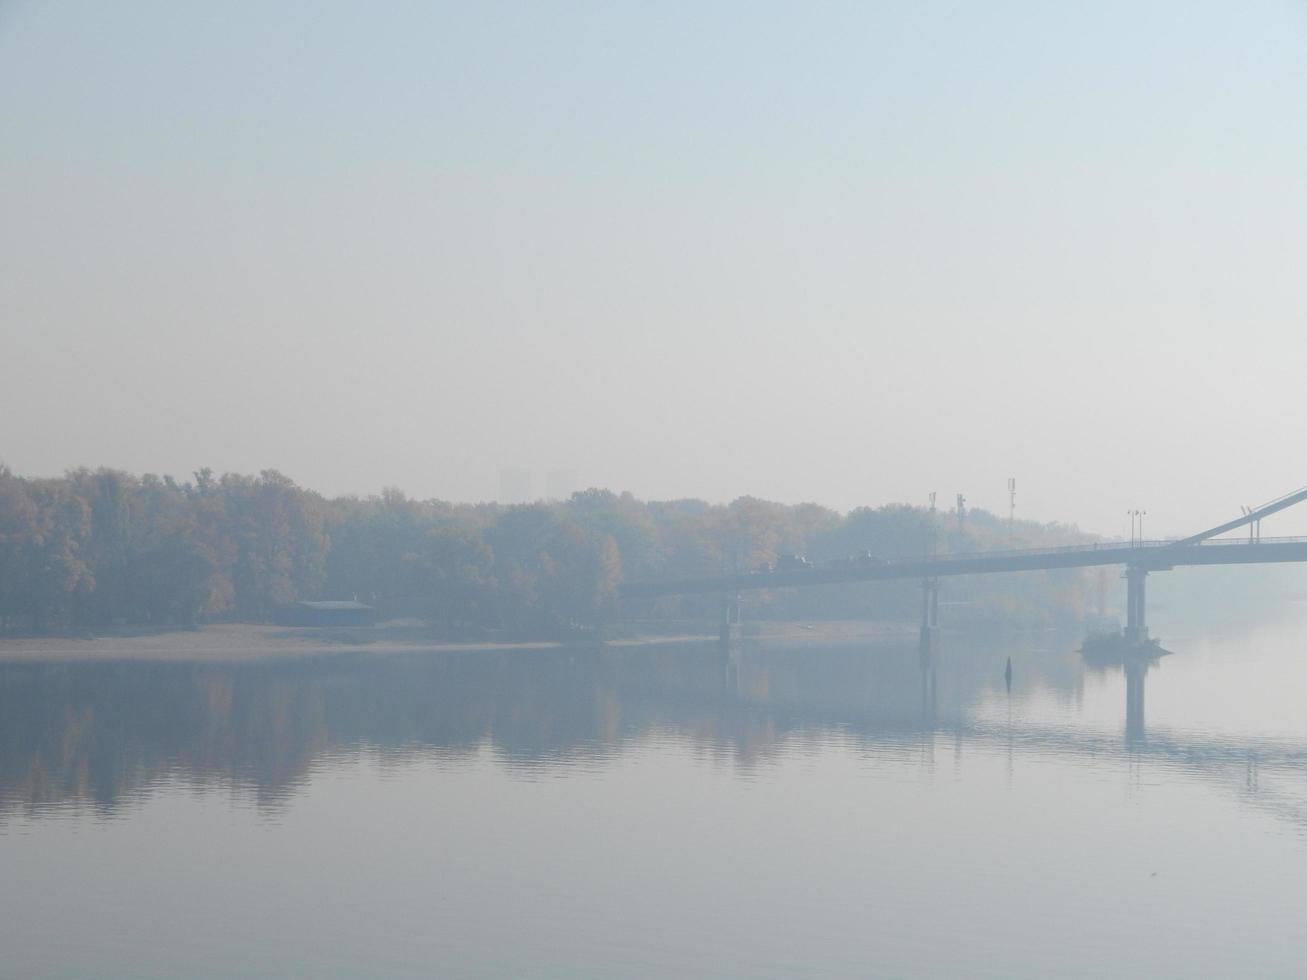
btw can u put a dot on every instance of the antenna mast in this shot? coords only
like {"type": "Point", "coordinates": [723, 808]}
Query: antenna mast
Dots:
{"type": "Point", "coordinates": [934, 540]}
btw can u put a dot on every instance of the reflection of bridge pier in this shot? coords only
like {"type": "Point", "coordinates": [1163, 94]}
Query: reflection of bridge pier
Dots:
{"type": "Point", "coordinates": [1135, 671]}
{"type": "Point", "coordinates": [733, 669]}
{"type": "Point", "coordinates": [732, 623]}
{"type": "Point", "coordinates": [929, 687]}
{"type": "Point", "coordinates": [929, 613]}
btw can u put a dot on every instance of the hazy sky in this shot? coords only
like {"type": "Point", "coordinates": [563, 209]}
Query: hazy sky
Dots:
{"type": "Point", "coordinates": [849, 253]}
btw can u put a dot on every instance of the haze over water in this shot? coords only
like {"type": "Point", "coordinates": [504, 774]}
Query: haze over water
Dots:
{"type": "Point", "coordinates": [791, 809]}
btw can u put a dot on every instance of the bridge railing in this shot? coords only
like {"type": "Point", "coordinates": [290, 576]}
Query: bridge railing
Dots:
{"type": "Point", "coordinates": [1244, 540]}
{"type": "Point", "coordinates": [1279, 499]}
{"type": "Point", "coordinates": [1156, 543]}
{"type": "Point", "coordinates": [1023, 552]}
{"type": "Point", "coordinates": [1123, 551]}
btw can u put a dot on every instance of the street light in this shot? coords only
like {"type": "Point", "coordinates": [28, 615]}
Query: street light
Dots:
{"type": "Point", "coordinates": [1136, 516]}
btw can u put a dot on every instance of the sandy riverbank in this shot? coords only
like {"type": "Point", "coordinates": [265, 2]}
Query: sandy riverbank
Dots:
{"type": "Point", "coordinates": [244, 642]}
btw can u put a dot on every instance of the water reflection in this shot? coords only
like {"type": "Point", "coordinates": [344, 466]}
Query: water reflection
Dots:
{"type": "Point", "coordinates": [102, 734]}
{"type": "Point", "coordinates": [1135, 672]}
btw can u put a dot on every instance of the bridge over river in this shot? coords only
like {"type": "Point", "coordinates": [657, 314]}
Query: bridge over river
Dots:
{"type": "Point", "coordinates": [1139, 558]}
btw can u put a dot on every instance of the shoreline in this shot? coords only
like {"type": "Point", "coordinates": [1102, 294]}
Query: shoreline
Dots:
{"type": "Point", "coordinates": [251, 643]}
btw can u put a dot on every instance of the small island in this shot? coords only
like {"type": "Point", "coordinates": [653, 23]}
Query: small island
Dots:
{"type": "Point", "coordinates": [1114, 646]}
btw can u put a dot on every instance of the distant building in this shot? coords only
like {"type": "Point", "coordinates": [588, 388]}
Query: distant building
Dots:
{"type": "Point", "coordinates": [326, 614]}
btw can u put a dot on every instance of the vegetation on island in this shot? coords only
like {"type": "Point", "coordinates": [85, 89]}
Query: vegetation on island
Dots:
{"type": "Point", "coordinates": [98, 548]}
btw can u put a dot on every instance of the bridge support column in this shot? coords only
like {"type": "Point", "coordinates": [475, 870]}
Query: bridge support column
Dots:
{"type": "Point", "coordinates": [1136, 629]}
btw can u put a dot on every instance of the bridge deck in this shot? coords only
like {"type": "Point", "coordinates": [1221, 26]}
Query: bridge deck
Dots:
{"type": "Point", "coordinates": [1150, 555]}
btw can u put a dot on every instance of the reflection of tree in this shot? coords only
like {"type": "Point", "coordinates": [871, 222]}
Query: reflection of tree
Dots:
{"type": "Point", "coordinates": [96, 733]}
{"type": "Point", "coordinates": [99, 734]}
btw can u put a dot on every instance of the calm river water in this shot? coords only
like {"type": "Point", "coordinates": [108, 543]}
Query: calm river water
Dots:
{"type": "Point", "coordinates": [790, 811]}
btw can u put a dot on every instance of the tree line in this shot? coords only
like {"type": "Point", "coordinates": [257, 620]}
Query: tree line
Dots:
{"type": "Point", "coordinates": [96, 548]}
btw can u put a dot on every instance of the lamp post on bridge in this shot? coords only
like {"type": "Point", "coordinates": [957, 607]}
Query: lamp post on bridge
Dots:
{"type": "Point", "coordinates": [1136, 520]}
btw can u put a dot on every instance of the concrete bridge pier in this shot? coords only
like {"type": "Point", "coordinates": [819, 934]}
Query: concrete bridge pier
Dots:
{"type": "Point", "coordinates": [1136, 628]}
